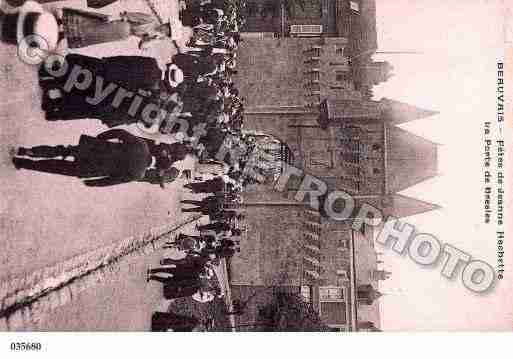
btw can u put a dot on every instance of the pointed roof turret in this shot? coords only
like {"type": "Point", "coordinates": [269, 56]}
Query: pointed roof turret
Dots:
{"type": "Point", "coordinates": [335, 111]}
{"type": "Point", "coordinates": [402, 206]}
{"type": "Point", "coordinates": [397, 112]}
{"type": "Point", "coordinates": [410, 159]}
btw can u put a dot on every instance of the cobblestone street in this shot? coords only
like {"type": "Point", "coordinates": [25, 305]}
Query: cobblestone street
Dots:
{"type": "Point", "coordinates": [48, 221]}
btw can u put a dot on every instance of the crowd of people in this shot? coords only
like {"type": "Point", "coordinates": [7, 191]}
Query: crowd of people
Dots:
{"type": "Point", "coordinates": [192, 109]}
{"type": "Point", "coordinates": [212, 100]}
{"type": "Point", "coordinates": [194, 99]}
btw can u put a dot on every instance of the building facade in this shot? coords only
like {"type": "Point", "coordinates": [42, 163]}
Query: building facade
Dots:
{"type": "Point", "coordinates": [309, 18]}
{"type": "Point", "coordinates": [313, 92]}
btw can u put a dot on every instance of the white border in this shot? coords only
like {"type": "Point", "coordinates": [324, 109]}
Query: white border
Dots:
{"type": "Point", "coordinates": [260, 345]}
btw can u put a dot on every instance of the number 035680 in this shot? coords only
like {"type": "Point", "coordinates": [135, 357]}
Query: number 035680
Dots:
{"type": "Point", "coordinates": [24, 346]}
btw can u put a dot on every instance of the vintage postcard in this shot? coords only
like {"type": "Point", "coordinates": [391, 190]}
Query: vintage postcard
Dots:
{"type": "Point", "coordinates": [255, 166]}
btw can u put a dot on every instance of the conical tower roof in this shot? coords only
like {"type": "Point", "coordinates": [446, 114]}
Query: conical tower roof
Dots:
{"type": "Point", "coordinates": [397, 112]}
{"type": "Point", "coordinates": [410, 159]}
{"type": "Point", "coordinates": [404, 206]}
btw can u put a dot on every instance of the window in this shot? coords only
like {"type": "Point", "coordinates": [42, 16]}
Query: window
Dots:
{"type": "Point", "coordinates": [362, 229]}
{"type": "Point", "coordinates": [341, 76]}
{"type": "Point", "coordinates": [320, 158]}
{"type": "Point", "coordinates": [343, 245]}
{"type": "Point", "coordinates": [376, 171]}
{"type": "Point", "coordinates": [306, 293]}
{"type": "Point", "coordinates": [312, 61]}
{"type": "Point", "coordinates": [331, 294]}
{"type": "Point", "coordinates": [332, 305]}
{"type": "Point", "coordinates": [258, 35]}
{"type": "Point", "coordinates": [342, 274]}
{"type": "Point", "coordinates": [314, 87]}
{"type": "Point", "coordinates": [313, 51]}
{"type": "Point", "coordinates": [252, 9]}
{"type": "Point", "coordinates": [306, 30]}
{"type": "Point", "coordinates": [315, 76]}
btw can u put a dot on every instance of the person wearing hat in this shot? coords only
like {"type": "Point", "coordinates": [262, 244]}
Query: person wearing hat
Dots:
{"type": "Point", "coordinates": [165, 155]}
{"type": "Point", "coordinates": [193, 66]}
{"type": "Point", "coordinates": [99, 161]}
{"type": "Point", "coordinates": [30, 23]}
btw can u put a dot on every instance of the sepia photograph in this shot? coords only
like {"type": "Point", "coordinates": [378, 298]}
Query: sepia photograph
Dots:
{"type": "Point", "coordinates": [255, 166]}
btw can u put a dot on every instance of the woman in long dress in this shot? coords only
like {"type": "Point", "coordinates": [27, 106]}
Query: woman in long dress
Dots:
{"type": "Point", "coordinates": [146, 28]}
{"type": "Point", "coordinates": [84, 28]}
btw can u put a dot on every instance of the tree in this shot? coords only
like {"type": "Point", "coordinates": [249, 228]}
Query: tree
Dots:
{"type": "Point", "coordinates": [291, 5]}
{"type": "Point", "coordinates": [273, 8]}
{"type": "Point", "coordinates": [289, 313]}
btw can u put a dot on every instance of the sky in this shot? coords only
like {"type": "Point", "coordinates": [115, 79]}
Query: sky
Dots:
{"type": "Point", "coordinates": [460, 43]}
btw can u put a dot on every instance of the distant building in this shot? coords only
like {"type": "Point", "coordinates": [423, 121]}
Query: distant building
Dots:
{"type": "Point", "coordinates": [311, 18]}
{"type": "Point", "coordinates": [313, 92]}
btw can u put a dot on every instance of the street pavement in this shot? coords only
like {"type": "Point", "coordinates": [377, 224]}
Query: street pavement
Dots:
{"type": "Point", "coordinates": [47, 219]}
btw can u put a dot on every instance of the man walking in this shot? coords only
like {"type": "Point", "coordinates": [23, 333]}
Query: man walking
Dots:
{"type": "Point", "coordinates": [217, 227]}
{"type": "Point", "coordinates": [214, 185]}
{"type": "Point", "coordinates": [209, 206]}
{"type": "Point", "coordinates": [98, 160]}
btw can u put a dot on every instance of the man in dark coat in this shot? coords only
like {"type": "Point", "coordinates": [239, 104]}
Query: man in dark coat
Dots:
{"type": "Point", "coordinates": [190, 17]}
{"type": "Point", "coordinates": [186, 263]}
{"type": "Point", "coordinates": [186, 288]}
{"type": "Point", "coordinates": [210, 186]}
{"type": "Point", "coordinates": [198, 95]}
{"type": "Point", "coordinates": [193, 66]}
{"type": "Point", "coordinates": [123, 98]}
{"type": "Point", "coordinates": [178, 277]}
{"type": "Point", "coordinates": [98, 160]}
{"type": "Point", "coordinates": [161, 176]}
{"type": "Point", "coordinates": [182, 284]}
{"type": "Point", "coordinates": [187, 242]}
{"type": "Point", "coordinates": [166, 155]}
{"type": "Point", "coordinates": [210, 205]}
{"type": "Point", "coordinates": [184, 269]}
{"type": "Point", "coordinates": [217, 227]}
{"type": "Point", "coordinates": [205, 201]}
{"type": "Point", "coordinates": [145, 73]}
{"type": "Point", "coordinates": [227, 216]}
{"type": "Point", "coordinates": [213, 141]}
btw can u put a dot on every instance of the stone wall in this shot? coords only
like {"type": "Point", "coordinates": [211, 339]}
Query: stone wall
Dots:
{"type": "Point", "coordinates": [272, 71]}
{"type": "Point", "coordinates": [270, 247]}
